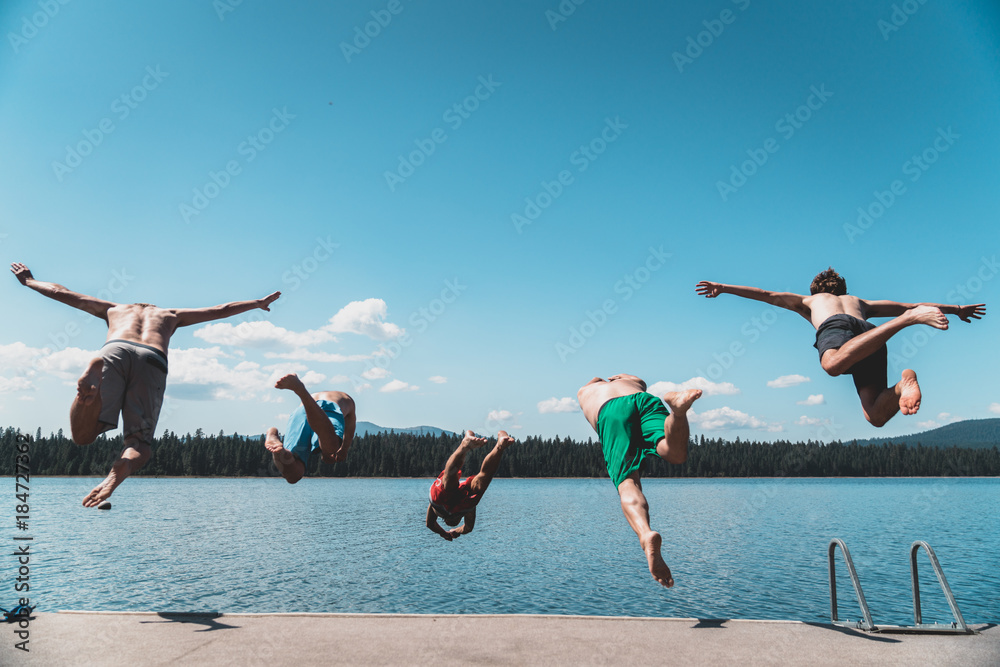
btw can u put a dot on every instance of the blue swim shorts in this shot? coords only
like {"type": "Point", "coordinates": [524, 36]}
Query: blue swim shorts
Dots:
{"type": "Point", "coordinates": [300, 439]}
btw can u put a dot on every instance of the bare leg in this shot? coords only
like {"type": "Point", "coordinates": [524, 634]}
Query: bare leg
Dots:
{"type": "Point", "coordinates": [133, 457]}
{"type": "Point", "coordinates": [636, 511]}
{"type": "Point", "coordinates": [289, 465]}
{"type": "Point", "coordinates": [837, 362]}
{"type": "Point", "coordinates": [86, 408]}
{"type": "Point", "coordinates": [329, 441]}
{"type": "Point", "coordinates": [880, 404]}
{"type": "Point", "coordinates": [454, 464]}
{"type": "Point", "coordinates": [676, 431]}
{"type": "Point", "coordinates": [491, 463]}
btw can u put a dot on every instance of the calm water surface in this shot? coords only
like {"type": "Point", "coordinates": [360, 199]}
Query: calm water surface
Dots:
{"type": "Point", "coordinates": [737, 548]}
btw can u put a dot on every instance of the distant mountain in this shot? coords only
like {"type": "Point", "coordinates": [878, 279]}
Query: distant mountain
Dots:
{"type": "Point", "coordinates": [368, 428]}
{"type": "Point", "coordinates": [972, 433]}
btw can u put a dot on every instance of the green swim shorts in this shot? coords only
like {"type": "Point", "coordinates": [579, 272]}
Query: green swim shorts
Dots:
{"type": "Point", "coordinates": [629, 428]}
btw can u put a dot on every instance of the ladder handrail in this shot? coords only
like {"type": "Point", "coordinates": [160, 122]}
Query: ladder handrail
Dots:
{"type": "Point", "coordinates": [867, 624]}
{"type": "Point", "coordinates": [917, 617]}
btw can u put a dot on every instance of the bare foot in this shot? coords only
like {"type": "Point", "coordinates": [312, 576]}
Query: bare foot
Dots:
{"type": "Point", "coordinates": [657, 566]}
{"type": "Point", "coordinates": [290, 382]}
{"type": "Point", "coordinates": [284, 460]}
{"type": "Point", "coordinates": [504, 440]}
{"type": "Point", "coordinates": [272, 442]}
{"type": "Point", "coordinates": [89, 384]}
{"type": "Point", "coordinates": [680, 401]}
{"type": "Point", "coordinates": [930, 316]}
{"type": "Point", "coordinates": [103, 490]}
{"type": "Point", "coordinates": [909, 393]}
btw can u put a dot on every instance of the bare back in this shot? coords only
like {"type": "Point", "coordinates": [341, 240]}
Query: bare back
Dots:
{"type": "Point", "coordinates": [822, 306]}
{"type": "Point", "coordinates": [344, 401]}
{"type": "Point", "coordinates": [593, 395]}
{"type": "Point", "coordinates": [148, 325]}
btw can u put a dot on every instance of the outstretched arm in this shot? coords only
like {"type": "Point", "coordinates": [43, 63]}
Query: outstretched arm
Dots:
{"type": "Point", "coordinates": [88, 304]}
{"type": "Point", "coordinates": [895, 309]}
{"type": "Point", "coordinates": [188, 316]}
{"type": "Point", "coordinates": [787, 300]}
{"type": "Point", "coordinates": [432, 523]}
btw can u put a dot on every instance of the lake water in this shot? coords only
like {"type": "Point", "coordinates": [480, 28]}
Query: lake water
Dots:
{"type": "Point", "coordinates": [737, 548]}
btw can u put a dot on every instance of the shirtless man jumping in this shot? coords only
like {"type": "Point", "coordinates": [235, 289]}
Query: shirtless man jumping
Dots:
{"type": "Point", "coordinates": [848, 343]}
{"type": "Point", "coordinates": [454, 499]}
{"type": "Point", "coordinates": [325, 421]}
{"type": "Point", "coordinates": [633, 425]}
{"type": "Point", "coordinates": [129, 374]}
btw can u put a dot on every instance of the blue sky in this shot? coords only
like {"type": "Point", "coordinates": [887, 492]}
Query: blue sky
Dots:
{"type": "Point", "coordinates": [453, 197]}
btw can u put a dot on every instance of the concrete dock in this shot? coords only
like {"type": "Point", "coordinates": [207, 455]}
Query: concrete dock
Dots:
{"type": "Point", "coordinates": [137, 639]}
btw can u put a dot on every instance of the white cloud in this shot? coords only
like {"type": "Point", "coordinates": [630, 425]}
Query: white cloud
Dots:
{"type": "Point", "coordinates": [930, 423]}
{"type": "Point", "coordinates": [259, 334]}
{"type": "Point", "coordinates": [499, 416]}
{"type": "Point", "coordinates": [708, 387]}
{"type": "Point", "coordinates": [551, 405]}
{"type": "Point", "coordinates": [18, 355]}
{"type": "Point", "coordinates": [438, 379]}
{"type": "Point", "coordinates": [312, 378]}
{"type": "Point", "coordinates": [814, 399]}
{"type": "Point", "coordinates": [811, 421]}
{"type": "Point", "coordinates": [995, 408]}
{"type": "Point", "coordinates": [366, 318]}
{"type": "Point", "coordinates": [787, 381]}
{"type": "Point", "coordinates": [301, 354]}
{"type": "Point", "coordinates": [202, 374]}
{"type": "Point", "coordinates": [726, 418]}
{"type": "Point", "coordinates": [397, 385]}
{"type": "Point", "coordinates": [8, 385]}
{"type": "Point", "coordinates": [376, 373]}
{"type": "Point", "coordinates": [947, 417]}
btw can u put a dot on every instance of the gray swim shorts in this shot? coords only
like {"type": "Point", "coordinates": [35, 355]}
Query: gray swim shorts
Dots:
{"type": "Point", "coordinates": [132, 383]}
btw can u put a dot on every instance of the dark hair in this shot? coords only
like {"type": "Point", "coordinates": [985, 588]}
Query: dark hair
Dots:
{"type": "Point", "coordinates": [830, 282]}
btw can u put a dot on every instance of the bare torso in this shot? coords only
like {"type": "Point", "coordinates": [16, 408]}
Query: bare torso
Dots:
{"type": "Point", "coordinates": [343, 400]}
{"type": "Point", "coordinates": [821, 306]}
{"type": "Point", "coordinates": [148, 325]}
{"type": "Point", "coordinates": [593, 395]}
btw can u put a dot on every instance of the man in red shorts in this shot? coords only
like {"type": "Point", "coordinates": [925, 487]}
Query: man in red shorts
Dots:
{"type": "Point", "coordinates": [453, 500]}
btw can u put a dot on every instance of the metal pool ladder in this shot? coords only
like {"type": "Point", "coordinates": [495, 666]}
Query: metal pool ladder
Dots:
{"type": "Point", "coordinates": [957, 627]}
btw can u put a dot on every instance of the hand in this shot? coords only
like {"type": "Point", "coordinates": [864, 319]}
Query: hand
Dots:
{"type": "Point", "coordinates": [267, 301]}
{"type": "Point", "coordinates": [472, 441]}
{"type": "Point", "coordinates": [969, 313]}
{"type": "Point", "coordinates": [340, 454]}
{"type": "Point", "coordinates": [455, 533]}
{"type": "Point", "coordinates": [21, 272]}
{"type": "Point", "coordinates": [447, 535]}
{"type": "Point", "coordinates": [708, 289]}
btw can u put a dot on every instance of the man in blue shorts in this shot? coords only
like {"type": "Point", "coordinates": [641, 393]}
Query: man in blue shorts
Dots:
{"type": "Point", "coordinates": [850, 345]}
{"type": "Point", "coordinates": [633, 425]}
{"type": "Point", "coordinates": [325, 421]}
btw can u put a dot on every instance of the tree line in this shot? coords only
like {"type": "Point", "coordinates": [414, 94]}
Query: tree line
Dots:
{"type": "Point", "coordinates": [406, 455]}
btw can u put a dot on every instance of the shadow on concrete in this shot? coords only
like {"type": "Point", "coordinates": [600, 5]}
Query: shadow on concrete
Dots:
{"type": "Point", "coordinates": [196, 618]}
{"type": "Point", "coordinates": [856, 633]}
{"type": "Point", "coordinates": [717, 623]}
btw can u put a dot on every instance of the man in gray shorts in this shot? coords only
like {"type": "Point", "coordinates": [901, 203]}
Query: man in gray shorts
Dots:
{"type": "Point", "coordinates": [129, 374]}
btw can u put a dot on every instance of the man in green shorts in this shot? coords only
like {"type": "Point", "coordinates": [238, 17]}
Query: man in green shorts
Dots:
{"type": "Point", "coordinates": [633, 425]}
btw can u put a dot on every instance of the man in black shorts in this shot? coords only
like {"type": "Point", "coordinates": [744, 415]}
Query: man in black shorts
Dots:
{"type": "Point", "coordinates": [129, 374]}
{"type": "Point", "coordinates": [849, 344]}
